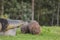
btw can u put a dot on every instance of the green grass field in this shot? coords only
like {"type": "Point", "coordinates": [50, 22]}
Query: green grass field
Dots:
{"type": "Point", "coordinates": [47, 33]}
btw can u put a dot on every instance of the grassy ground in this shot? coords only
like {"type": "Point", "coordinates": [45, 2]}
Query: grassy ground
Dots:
{"type": "Point", "coordinates": [48, 33]}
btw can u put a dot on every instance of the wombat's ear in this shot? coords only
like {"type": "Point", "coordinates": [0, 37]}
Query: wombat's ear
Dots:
{"type": "Point", "coordinates": [0, 26]}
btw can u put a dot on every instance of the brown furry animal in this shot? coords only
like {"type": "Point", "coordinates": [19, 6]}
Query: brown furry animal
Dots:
{"type": "Point", "coordinates": [24, 28]}
{"type": "Point", "coordinates": [34, 27]}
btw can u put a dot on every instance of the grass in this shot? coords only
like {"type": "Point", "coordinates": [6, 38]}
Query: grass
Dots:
{"type": "Point", "coordinates": [47, 33]}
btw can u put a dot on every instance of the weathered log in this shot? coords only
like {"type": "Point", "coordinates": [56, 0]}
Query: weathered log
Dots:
{"type": "Point", "coordinates": [7, 24]}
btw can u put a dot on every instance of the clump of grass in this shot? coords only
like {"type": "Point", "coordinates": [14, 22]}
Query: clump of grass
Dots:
{"type": "Point", "coordinates": [48, 33]}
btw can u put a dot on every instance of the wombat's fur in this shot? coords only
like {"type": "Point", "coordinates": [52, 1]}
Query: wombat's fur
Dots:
{"type": "Point", "coordinates": [33, 27]}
